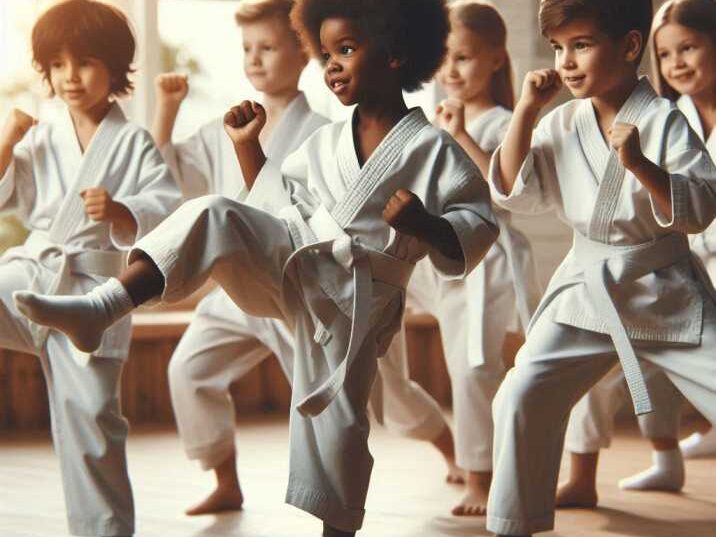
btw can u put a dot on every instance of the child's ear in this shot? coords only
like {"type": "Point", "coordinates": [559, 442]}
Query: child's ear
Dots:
{"type": "Point", "coordinates": [498, 60]}
{"type": "Point", "coordinates": [634, 45]}
{"type": "Point", "coordinates": [396, 63]}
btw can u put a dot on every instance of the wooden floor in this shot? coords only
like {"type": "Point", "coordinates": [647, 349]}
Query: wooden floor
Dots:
{"type": "Point", "coordinates": [408, 497]}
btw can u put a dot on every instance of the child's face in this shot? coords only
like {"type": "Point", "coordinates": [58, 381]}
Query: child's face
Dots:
{"type": "Point", "coordinates": [687, 59]}
{"type": "Point", "coordinates": [469, 65]}
{"type": "Point", "coordinates": [82, 83]}
{"type": "Point", "coordinates": [353, 67]}
{"type": "Point", "coordinates": [273, 59]}
{"type": "Point", "coordinates": [590, 63]}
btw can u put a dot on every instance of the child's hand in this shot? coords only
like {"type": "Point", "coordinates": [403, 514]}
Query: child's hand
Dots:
{"type": "Point", "coordinates": [171, 89]}
{"type": "Point", "coordinates": [99, 205]}
{"type": "Point", "coordinates": [450, 115]}
{"type": "Point", "coordinates": [16, 127]}
{"type": "Point", "coordinates": [625, 139]}
{"type": "Point", "coordinates": [539, 88]}
{"type": "Point", "coordinates": [243, 123]}
{"type": "Point", "coordinates": [405, 213]}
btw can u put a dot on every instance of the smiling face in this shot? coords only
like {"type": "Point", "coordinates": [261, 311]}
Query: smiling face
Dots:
{"type": "Point", "coordinates": [687, 59]}
{"type": "Point", "coordinates": [84, 84]}
{"type": "Point", "coordinates": [273, 58]}
{"type": "Point", "coordinates": [591, 63]}
{"type": "Point", "coordinates": [469, 65]}
{"type": "Point", "coordinates": [354, 68]}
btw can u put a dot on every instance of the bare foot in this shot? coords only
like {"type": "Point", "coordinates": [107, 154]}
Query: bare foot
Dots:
{"type": "Point", "coordinates": [474, 503]}
{"type": "Point", "coordinates": [575, 495]}
{"type": "Point", "coordinates": [455, 476]}
{"type": "Point", "coordinates": [446, 446]}
{"type": "Point", "coordinates": [222, 499]}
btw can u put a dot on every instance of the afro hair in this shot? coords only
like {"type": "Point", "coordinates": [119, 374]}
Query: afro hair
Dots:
{"type": "Point", "coordinates": [413, 31]}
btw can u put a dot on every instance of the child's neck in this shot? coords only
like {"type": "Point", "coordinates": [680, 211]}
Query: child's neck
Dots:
{"type": "Point", "coordinates": [607, 106]}
{"type": "Point", "coordinates": [275, 105]}
{"type": "Point", "coordinates": [374, 119]}
{"type": "Point", "coordinates": [705, 103]}
{"type": "Point", "coordinates": [86, 122]}
{"type": "Point", "coordinates": [477, 106]}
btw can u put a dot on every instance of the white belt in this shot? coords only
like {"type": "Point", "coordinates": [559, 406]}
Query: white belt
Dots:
{"type": "Point", "coordinates": [366, 265]}
{"type": "Point", "coordinates": [637, 261]}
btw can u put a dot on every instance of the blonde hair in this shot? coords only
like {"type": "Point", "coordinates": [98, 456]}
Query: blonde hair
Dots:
{"type": "Point", "coordinates": [696, 15]}
{"type": "Point", "coordinates": [252, 10]}
{"type": "Point", "coordinates": [486, 22]}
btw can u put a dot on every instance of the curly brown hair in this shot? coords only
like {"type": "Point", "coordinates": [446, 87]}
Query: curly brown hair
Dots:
{"type": "Point", "coordinates": [87, 28]}
{"type": "Point", "coordinates": [413, 31]}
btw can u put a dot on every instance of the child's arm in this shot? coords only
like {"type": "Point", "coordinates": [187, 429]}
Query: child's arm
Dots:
{"type": "Point", "coordinates": [539, 88]}
{"type": "Point", "coordinates": [450, 115]}
{"type": "Point", "coordinates": [625, 139]}
{"type": "Point", "coordinates": [243, 124]}
{"type": "Point", "coordinates": [171, 89]}
{"type": "Point", "coordinates": [100, 207]}
{"type": "Point", "coordinates": [407, 214]}
{"type": "Point", "coordinates": [14, 130]}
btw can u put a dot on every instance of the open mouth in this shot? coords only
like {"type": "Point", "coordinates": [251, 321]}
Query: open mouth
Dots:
{"type": "Point", "coordinates": [574, 79]}
{"type": "Point", "coordinates": [338, 85]}
{"type": "Point", "coordinates": [683, 77]}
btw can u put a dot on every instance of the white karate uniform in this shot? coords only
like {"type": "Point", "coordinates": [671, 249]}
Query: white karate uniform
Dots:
{"type": "Point", "coordinates": [476, 314]}
{"type": "Point", "coordinates": [628, 288]}
{"type": "Point", "coordinates": [335, 272]}
{"type": "Point", "coordinates": [222, 343]}
{"type": "Point", "coordinates": [68, 253]}
{"type": "Point", "coordinates": [591, 423]}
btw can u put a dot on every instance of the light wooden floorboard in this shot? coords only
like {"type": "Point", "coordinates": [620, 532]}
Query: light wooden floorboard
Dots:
{"type": "Point", "coordinates": [408, 497]}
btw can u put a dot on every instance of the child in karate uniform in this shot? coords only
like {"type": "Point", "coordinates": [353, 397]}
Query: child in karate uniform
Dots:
{"type": "Point", "coordinates": [86, 186]}
{"type": "Point", "coordinates": [358, 204]}
{"type": "Point", "coordinates": [621, 166]}
{"type": "Point", "coordinates": [500, 295]}
{"type": "Point", "coordinates": [222, 343]}
{"type": "Point", "coordinates": [683, 54]}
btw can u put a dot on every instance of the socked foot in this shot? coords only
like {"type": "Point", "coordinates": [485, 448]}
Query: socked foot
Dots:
{"type": "Point", "coordinates": [573, 495]}
{"type": "Point", "coordinates": [699, 445]}
{"type": "Point", "coordinates": [666, 474]}
{"type": "Point", "coordinates": [474, 503]}
{"type": "Point", "coordinates": [219, 501]}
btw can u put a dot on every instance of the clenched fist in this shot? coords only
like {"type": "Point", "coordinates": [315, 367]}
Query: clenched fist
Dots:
{"type": "Point", "coordinates": [539, 88]}
{"type": "Point", "coordinates": [99, 205]}
{"type": "Point", "coordinates": [171, 89]}
{"type": "Point", "coordinates": [405, 213]}
{"type": "Point", "coordinates": [16, 127]}
{"type": "Point", "coordinates": [450, 115]}
{"type": "Point", "coordinates": [625, 139]}
{"type": "Point", "coordinates": [243, 123]}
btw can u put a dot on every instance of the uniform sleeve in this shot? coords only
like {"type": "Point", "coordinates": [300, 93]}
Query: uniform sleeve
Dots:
{"type": "Point", "coordinates": [468, 209]}
{"type": "Point", "coordinates": [191, 162]}
{"type": "Point", "coordinates": [535, 186]}
{"type": "Point", "coordinates": [692, 177]}
{"type": "Point", "coordinates": [155, 194]}
{"type": "Point", "coordinates": [17, 186]}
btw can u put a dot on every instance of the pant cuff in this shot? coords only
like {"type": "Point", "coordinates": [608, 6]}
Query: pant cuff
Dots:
{"type": "Point", "coordinates": [211, 455]}
{"type": "Point", "coordinates": [506, 526]}
{"type": "Point", "coordinates": [583, 448]}
{"type": "Point", "coordinates": [319, 505]}
{"type": "Point", "coordinates": [101, 528]}
{"type": "Point", "coordinates": [427, 431]}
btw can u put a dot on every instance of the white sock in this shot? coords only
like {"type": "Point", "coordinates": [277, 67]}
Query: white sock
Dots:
{"type": "Point", "coordinates": [699, 445]}
{"type": "Point", "coordinates": [667, 473]}
{"type": "Point", "coordinates": [83, 318]}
